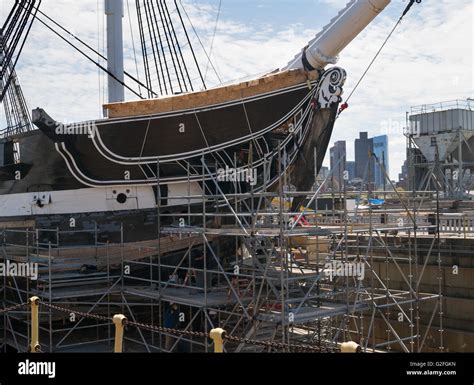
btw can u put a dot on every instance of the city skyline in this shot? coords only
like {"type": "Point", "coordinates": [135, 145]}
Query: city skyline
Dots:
{"type": "Point", "coordinates": [358, 168]}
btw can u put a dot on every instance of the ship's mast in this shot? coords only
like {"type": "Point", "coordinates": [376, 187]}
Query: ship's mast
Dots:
{"type": "Point", "coordinates": [114, 13]}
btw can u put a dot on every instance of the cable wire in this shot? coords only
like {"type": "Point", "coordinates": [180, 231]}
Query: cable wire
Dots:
{"type": "Point", "coordinates": [88, 46]}
{"type": "Point", "coordinates": [201, 43]}
{"type": "Point", "coordinates": [213, 37]}
{"type": "Point", "coordinates": [407, 9]}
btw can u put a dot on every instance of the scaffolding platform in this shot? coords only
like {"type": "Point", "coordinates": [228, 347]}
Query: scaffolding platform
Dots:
{"type": "Point", "coordinates": [215, 298]}
{"type": "Point", "coordinates": [310, 314]}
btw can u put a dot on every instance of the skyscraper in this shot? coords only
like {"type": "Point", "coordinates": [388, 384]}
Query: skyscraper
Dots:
{"type": "Point", "coordinates": [338, 162]}
{"type": "Point", "coordinates": [381, 151]}
{"type": "Point", "coordinates": [364, 146]}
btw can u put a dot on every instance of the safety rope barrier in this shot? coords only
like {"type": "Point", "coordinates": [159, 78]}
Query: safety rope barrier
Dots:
{"type": "Point", "coordinates": [13, 308]}
{"type": "Point", "coordinates": [122, 321]}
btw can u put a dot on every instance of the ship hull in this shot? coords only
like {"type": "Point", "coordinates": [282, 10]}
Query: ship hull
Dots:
{"type": "Point", "coordinates": [119, 174]}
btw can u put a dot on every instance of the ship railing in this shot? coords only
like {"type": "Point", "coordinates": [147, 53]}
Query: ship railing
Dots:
{"type": "Point", "coordinates": [442, 106]}
{"type": "Point", "coordinates": [9, 132]}
{"type": "Point", "coordinates": [461, 224]}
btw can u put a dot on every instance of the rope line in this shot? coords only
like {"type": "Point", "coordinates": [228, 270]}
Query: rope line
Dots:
{"type": "Point", "coordinates": [213, 38]}
{"type": "Point", "coordinates": [201, 43]}
{"type": "Point", "coordinates": [93, 50]}
{"type": "Point", "coordinates": [188, 333]}
{"type": "Point", "coordinates": [13, 308]}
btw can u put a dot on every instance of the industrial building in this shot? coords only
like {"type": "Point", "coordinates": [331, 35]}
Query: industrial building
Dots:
{"type": "Point", "coordinates": [442, 135]}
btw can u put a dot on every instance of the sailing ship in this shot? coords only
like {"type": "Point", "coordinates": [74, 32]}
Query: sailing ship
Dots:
{"type": "Point", "coordinates": [169, 149]}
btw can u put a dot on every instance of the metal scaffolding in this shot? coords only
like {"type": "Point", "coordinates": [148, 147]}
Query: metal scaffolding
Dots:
{"type": "Point", "coordinates": [247, 264]}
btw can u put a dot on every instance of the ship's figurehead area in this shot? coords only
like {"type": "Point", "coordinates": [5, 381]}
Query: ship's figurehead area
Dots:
{"type": "Point", "coordinates": [330, 88]}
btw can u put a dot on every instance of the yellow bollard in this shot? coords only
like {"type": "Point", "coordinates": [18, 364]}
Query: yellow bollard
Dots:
{"type": "Point", "coordinates": [34, 346]}
{"type": "Point", "coordinates": [119, 321]}
{"type": "Point", "coordinates": [350, 347]}
{"type": "Point", "coordinates": [216, 335]}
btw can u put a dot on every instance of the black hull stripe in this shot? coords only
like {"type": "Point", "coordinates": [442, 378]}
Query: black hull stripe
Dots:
{"type": "Point", "coordinates": [81, 177]}
{"type": "Point", "coordinates": [101, 147]}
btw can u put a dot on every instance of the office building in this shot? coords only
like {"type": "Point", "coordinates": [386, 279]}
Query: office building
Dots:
{"type": "Point", "coordinates": [380, 145]}
{"type": "Point", "coordinates": [338, 162]}
{"type": "Point", "coordinates": [363, 147]}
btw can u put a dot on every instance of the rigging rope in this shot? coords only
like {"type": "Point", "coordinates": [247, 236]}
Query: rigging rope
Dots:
{"type": "Point", "coordinates": [88, 46]}
{"type": "Point", "coordinates": [133, 45]}
{"type": "Point", "coordinates": [407, 9]}
{"type": "Point", "coordinates": [89, 58]}
{"type": "Point", "coordinates": [144, 52]}
{"type": "Point", "coordinates": [189, 42]}
{"type": "Point", "coordinates": [166, 45]}
{"type": "Point", "coordinates": [213, 37]}
{"type": "Point", "coordinates": [179, 49]}
{"type": "Point", "coordinates": [201, 43]}
{"type": "Point", "coordinates": [15, 31]}
{"type": "Point", "coordinates": [177, 64]}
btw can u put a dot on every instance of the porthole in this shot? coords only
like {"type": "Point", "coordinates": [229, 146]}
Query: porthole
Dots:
{"type": "Point", "coordinates": [122, 198]}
